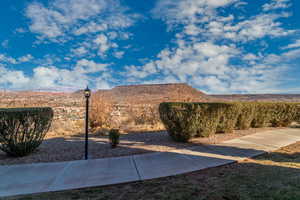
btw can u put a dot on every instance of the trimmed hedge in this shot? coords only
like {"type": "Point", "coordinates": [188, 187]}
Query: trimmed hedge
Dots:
{"type": "Point", "coordinates": [275, 114]}
{"type": "Point", "coordinates": [187, 120]}
{"type": "Point", "coordinates": [283, 114]}
{"type": "Point", "coordinates": [184, 121]}
{"type": "Point", "coordinates": [207, 118]}
{"type": "Point", "coordinates": [297, 114]}
{"type": "Point", "coordinates": [262, 116]}
{"type": "Point", "coordinates": [246, 115]}
{"type": "Point", "coordinates": [179, 120]}
{"type": "Point", "coordinates": [22, 130]}
{"type": "Point", "coordinates": [229, 117]}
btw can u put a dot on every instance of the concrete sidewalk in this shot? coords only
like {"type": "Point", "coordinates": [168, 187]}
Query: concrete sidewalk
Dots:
{"type": "Point", "coordinates": [45, 177]}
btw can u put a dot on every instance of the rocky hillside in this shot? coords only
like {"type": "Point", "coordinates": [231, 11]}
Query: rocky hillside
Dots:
{"type": "Point", "coordinates": [154, 93]}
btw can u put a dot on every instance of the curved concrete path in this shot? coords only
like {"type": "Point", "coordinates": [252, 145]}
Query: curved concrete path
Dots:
{"type": "Point", "coordinates": [45, 177]}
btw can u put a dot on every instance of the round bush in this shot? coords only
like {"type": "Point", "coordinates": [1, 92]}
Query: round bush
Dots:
{"type": "Point", "coordinates": [22, 130]}
{"type": "Point", "coordinates": [114, 137]}
{"type": "Point", "coordinates": [179, 120]}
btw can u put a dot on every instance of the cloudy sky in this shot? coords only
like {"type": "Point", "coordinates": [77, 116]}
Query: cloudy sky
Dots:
{"type": "Point", "coordinates": [217, 46]}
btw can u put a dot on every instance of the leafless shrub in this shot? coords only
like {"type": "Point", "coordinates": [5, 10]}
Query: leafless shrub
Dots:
{"type": "Point", "coordinates": [101, 110]}
{"type": "Point", "coordinates": [144, 114]}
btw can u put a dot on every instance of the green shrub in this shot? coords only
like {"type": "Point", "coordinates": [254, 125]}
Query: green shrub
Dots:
{"type": "Point", "coordinates": [208, 118]}
{"type": "Point", "coordinates": [22, 130]}
{"type": "Point", "coordinates": [246, 115]}
{"type": "Point", "coordinates": [262, 116]}
{"type": "Point", "coordinates": [114, 137]}
{"type": "Point", "coordinates": [297, 112]}
{"type": "Point", "coordinates": [184, 121]}
{"type": "Point", "coordinates": [283, 114]}
{"type": "Point", "coordinates": [229, 117]}
{"type": "Point", "coordinates": [276, 114]}
{"type": "Point", "coordinates": [187, 120]}
{"type": "Point", "coordinates": [179, 120]}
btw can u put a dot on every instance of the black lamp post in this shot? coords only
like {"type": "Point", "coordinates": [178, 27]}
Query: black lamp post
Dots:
{"type": "Point", "coordinates": [87, 94]}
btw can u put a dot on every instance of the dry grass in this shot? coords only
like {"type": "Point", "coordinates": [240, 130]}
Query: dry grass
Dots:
{"type": "Point", "coordinates": [101, 110]}
{"type": "Point", "coordinates": [272, 176]}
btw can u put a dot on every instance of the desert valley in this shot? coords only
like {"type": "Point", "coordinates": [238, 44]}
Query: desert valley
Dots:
{"type": "Point", "coordinates": [130, 108]}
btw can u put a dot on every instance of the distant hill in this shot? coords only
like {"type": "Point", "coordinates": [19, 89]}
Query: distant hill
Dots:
{"type": "Point", "coordinates": [181, 92]}
{"type": "Point", "coordinates": [259, 97]}
{"type": "Point", "coordinates": [155, 93]}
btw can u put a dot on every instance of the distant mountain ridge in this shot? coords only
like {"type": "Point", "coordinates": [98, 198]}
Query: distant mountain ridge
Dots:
{"type": "Point", "coordinates": [155, 93]}
{"type": "Point", "coordinates": [259, 97]}
{"type": "Point", "coordinates": [181, 92]}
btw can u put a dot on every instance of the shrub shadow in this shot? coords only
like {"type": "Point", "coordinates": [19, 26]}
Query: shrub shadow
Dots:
{"type": "Point", "coordinates": [72, 148]}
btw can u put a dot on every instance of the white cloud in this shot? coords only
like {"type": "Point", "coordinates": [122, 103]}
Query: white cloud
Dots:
{"type": "Point", "coordinates": [209, 42]}
{"type": "Point", "coordinates": [46, 77]}
{"type": "Point", "coordinates": [91, 27]}
{"type": "Point", "coordinates": [119, 54]}
{"type": "Point", "coordinates": [188, 60]}
{"type": "Point", "coordinates": [44, 20]}
{"type": "Point", "coordinates": [251, 57]}
{"type": "Point", "coordinates": [292, 54]}
{"type": "Point", "coordinates": [256, 27]}
{"type": "Point", "coordinates": [102, 42]}
{"type": "Point", "coordinates": [85, 22]}
{"type": "Point", "coordinates": [68, 16]}
{"type": "Point", "coordinates": [193, 30]}
{"type": "Point", "coordinates": [296, 44]}
{"type": "Point", "coordinates": [260, 26]}
{"type": "Point", "coordinates": [200, 18]}
{"type": "Point", "coordinates": [10, 60]}
{"type": "Point", "coordinates": [13, 78]}
{"type": "Point", "coordinates": [25, 58]}
{"type": "Point", "coordinates": [186, 11]}
{"type": "Point", "coordinates": [85, 66]}
{"type": "Point", "coordinates": [7, 59]}
{"type": "Point", "coordinates": [53, 78]}
{"type": "Point", "coordinates": [208, 52]}
{"type": "Point", "coordinates": [212, 82]}
{"type": "Point", "coordinates": [207, 66]}
{"type": "Point", "coordinates": [80, 51]}
{"type": "Point", "coordinates": [240, 4]}
{"type": "Point", "coordinates": [102, 84]}
{"type": "Point", "coordinates": [141, 72]}
{"type": "Point", "coordinates": [112, 35]}
{"type": "Point", "coordinates": [61, 14]}
{"type": "Point", "coordinates": [276, 4]}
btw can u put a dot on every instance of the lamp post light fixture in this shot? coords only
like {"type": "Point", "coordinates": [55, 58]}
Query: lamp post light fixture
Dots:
{"type": "Point", "coordinates": [87, 94]}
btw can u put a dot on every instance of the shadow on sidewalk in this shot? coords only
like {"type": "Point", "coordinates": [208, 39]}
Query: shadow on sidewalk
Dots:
{"type": "Point", "coordinates": [270, 176]}
{"type": "Point", "coordinates": [72, 148]}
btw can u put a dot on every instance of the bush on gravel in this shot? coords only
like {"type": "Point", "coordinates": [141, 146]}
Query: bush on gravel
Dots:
{"type": "Point", "coordinates": [22, 130]}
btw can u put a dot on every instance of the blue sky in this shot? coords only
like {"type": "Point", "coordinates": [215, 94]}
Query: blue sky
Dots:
{"type": "Point", "coordinates": [217, 46]}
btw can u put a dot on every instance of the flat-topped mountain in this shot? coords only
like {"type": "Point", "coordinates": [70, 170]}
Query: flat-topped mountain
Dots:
{"type": "Point", "coordinates": [155, 93]}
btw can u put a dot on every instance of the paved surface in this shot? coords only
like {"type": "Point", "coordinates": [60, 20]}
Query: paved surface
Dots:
{"type": "Point", "coordinates": [45, 177]}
